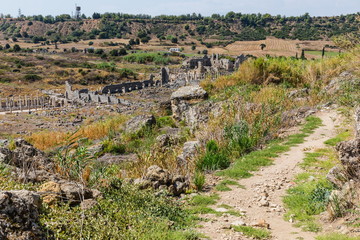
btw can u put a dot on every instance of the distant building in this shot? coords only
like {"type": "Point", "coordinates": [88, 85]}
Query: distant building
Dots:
{"type": "Point", "coordinates": [175, 50]}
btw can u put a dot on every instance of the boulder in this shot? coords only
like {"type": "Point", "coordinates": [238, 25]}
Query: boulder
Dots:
{"type": "Point", "coordinates": [5, 155]}
{"type": "Point", "coordinates": [349, 153]}
{"type": "Point", "coordinates": [19, 215]}
{"type": "Point", "coordinates": [51, 193]}
{"type": "Point", "coordinates": [189, 93]}
{"type": "Point", "coordinates": [190, 150]}
{"type": "Point", "coordinates": [65, 191]}
{"type": "Point", "coordinates": [25, 156]}
{"type": "Point", "coordinates": [160, 179]}
{"type": "Point", "coordinates": [139, 122]}
{"type": "Point", "coordinates": [184, 98]}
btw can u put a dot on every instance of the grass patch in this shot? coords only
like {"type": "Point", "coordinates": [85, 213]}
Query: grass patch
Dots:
{"type": "Point", "coordinates": [253, 161]}
{"type": "Point", "coordinates": [339, 138]}
{"type": "Point", "coordinates": [310, 196]}
{"type": "Point", "coordinates": [336, 236]}
{"type": "Point", "coordinates": [255, 233]}
{"type": "Point", "coordinates": [199, 204]}
{"type": "Point", "coordinates": [222, 186]}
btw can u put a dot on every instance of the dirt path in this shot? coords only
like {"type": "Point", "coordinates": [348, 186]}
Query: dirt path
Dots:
{"type": "Point", "coordinates": [262, 197]}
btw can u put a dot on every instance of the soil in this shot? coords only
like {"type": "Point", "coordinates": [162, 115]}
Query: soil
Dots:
{"type": "Point", "coordinates": [272, 182]}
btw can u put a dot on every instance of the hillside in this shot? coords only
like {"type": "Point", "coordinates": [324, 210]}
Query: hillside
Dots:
{"type": "Point", "coordinates": [232, 27]}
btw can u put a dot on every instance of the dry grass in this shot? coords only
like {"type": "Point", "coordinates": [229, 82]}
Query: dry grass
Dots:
{"type": "Point", "coordinates": [97, 130]}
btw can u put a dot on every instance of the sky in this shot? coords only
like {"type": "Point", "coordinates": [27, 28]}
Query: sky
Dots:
{"type": "Point", "coordinates": [172, 7]}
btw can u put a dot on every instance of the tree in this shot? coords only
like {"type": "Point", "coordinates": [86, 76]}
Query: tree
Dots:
{"type": "Point", "coordinates": [263, 45]}
{"type": "Point", "coordinates": [7, 46]}
{"type": "Point", "coordinates": [174, 40]}
{"type": "Point", "coordinates": [17, 48]}
{"type": "Point", "coordinates": [205, 51]}
{"type": "Point", "coordinates": [193, 47]}
{"type": "Point", "coordinates": [323, 52]}
{"type": "Point", "coordinates": [303, 54]}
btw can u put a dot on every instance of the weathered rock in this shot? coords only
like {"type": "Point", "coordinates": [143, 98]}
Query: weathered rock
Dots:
{"type": "Point", "coordinates": [299, 93]}
{"type": "Point", "coordinates": [294, 117]}
{"type": "Point", "coordinates": [337, 176]}
{"type": "Point", "coordinates": [190, 150]}
{"type": "Point", "coordinates": [51, 193]}
{"type": "Point", "coordinates": [163, 140]}
{"type": "Point", "coordinates": [349, 152]}
{"type": "Point", "coordinates": [189, 93]}
{"type": "Point", "coordinates": [65, 191]}
{"type": "Point", "coordinates": [184, 98]}
{"type": "Point", "coordinates": [5, 155]}
{"type": "Point", "coordinates": [160, 179]}
{"type": "Point", "coordinates": [74, 192]}
{"type": "Point", "coordinates": [19, 213]}
{"type": "Point", "coordinates": [139, 122]}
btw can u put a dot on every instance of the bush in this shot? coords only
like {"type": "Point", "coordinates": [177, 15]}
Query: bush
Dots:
{"type": "Point", "coordinates": [214, 158]}
{"type": "Point", "coordinates": [147, 58]}
{"type": "Point", "coordinates": [199, 180]}
{"type": "Point", "coordinates": [32, 77]}
{"type": "Point", "coordinates": [113, 147]}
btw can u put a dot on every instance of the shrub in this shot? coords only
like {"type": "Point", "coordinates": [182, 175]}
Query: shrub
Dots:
{"type": "Point", "coordinates": [214, 158]}
{"type": "Point", "coordinates": [32, 77]}
{"type": "Point", "coordinates": [199, 180]}
{"type": "Point", "coordinates": [147, 58]}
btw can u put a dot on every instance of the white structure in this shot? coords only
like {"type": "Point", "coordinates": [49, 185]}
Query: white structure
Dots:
{"type": "Point", "coordinates": [174, 50]}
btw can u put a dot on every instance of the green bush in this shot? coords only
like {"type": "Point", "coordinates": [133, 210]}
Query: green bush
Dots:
{"type": "Point", "coordinates": [199, 180]}
{"type": "Point", "coordinates": [123, 213]}
{"type": "Point", "coordinates": [113, 147]}
{"type": "Point", "coordinates": [147, 58]}
{"type": "Point", "coordinates": [32, 77]}
{"type": "Point", "coordinates": [214, 158]}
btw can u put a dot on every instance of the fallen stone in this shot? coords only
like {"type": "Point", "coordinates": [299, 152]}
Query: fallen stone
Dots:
{"type": "Point", "coordinates": [19, 215]}
{"type": "Point", "coordinates": [139, 122]}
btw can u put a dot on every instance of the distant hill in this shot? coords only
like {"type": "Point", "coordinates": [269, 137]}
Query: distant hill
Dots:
{"type": "Point", "coordinates": [231, 27]}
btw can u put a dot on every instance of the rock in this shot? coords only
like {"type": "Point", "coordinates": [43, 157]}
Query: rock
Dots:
{"type": "Point", "coordinates": [50, 192]}
{"type": "Point", "coordinates": [88, 203]}
{"type": "Point", "coordinates": [19, 215]}
{"type": "Point", "coordinates": [262, 224]}
{"type": "Point", "coordinates": [238, 223]}
{"type": "Point", "coordinates": [160, 179]}
{"type": "Point", "coordinates": [264, 202]}
{"type": "Point", "coordinates": [157, 174]}
{"type": "Point", "coordinates": [294, 117]}
{"type": "Point", "coordinates": [337, 176]}
{"type": "Point", "coordinates": [139, 122]}
{"type": "Point", "coordinates": [189, 93]}
{"type": "Point", "coordinates": [299, 93]}
{"type": "Point", "coordinates": [74, 193]}
{"type": "Point", "coordinates": [349, 153]}
{"type": "Point", "coordinates": [184, 97]}
{"type": "Point", "coordinates": [190, 150]}
{"type": "Point", "coordinates": [163, 140]}
{"type": "Point", "coordinates": [222, 210]}
{"type": "Point", "coordinates": [5, 155]}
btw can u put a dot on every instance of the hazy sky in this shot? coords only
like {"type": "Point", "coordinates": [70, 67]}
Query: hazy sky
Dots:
{"type": "Point", "coordinates": [205, 7]}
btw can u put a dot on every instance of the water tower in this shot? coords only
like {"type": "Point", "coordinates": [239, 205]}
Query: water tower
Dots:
{"type": "Point", "coordinates": [77, 12]}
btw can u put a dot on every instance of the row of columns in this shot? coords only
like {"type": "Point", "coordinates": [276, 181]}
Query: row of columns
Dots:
{"type": "Point", "coordinates": [27, 103]}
